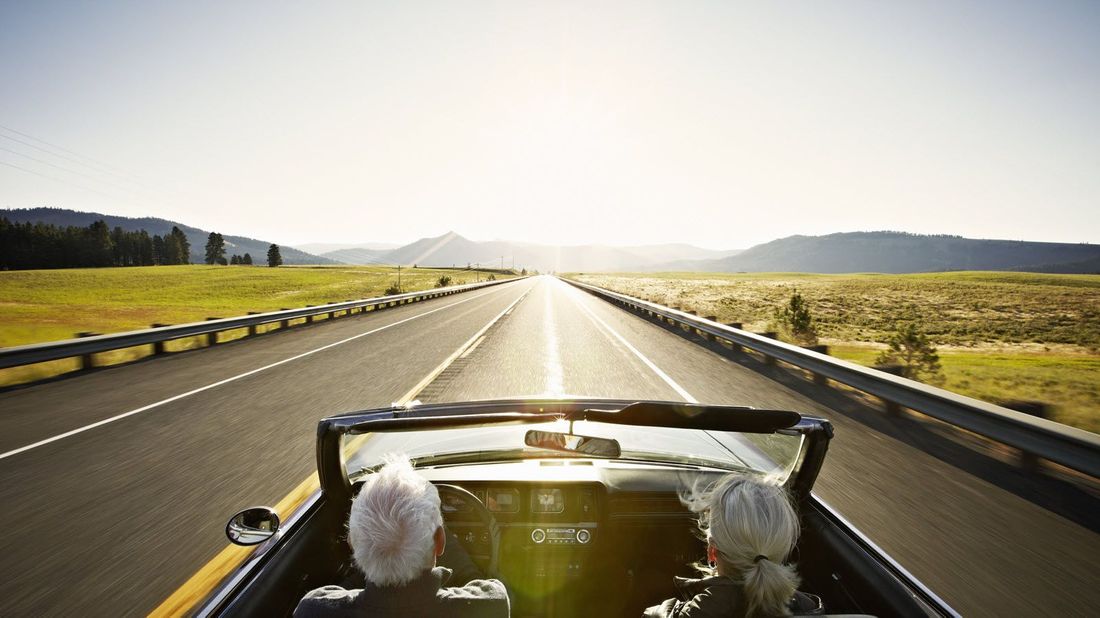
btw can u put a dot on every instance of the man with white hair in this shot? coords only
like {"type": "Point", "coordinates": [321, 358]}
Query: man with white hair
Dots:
{"type": "Point", "coordinates": [396, 535]}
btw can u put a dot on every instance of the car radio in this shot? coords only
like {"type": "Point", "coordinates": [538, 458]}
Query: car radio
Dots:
{"type": "Point", "coordinates": [561, 536]}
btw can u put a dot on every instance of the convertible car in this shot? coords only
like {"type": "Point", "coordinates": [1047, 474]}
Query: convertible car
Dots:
{"type": "Point", "coordinates": [574, 504]}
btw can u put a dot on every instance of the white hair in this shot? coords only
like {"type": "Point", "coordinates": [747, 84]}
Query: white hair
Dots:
{"type": "Point", "coordinates": [753, 526]}
{"type": "Point", "coordinates": [393, 522]}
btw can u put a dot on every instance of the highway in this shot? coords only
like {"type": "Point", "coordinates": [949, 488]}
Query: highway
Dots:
{"type": "Point", "coordinates": [110, 518]}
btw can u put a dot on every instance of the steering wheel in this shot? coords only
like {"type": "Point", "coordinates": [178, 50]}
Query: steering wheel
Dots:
{"type": "Point", "coordinates": [484, 516]}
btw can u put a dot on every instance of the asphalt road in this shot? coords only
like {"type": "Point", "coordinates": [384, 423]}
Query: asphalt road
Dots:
{"type": "Point", "coordinates": [111, 520]}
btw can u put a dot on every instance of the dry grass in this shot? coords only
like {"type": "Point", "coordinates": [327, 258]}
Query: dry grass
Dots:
{"type": "Point", "coordinates": [1001, 335]}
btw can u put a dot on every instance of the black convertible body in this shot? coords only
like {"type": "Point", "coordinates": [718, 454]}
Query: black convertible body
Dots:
{"type": "Point", "coordinates": [573, 530]}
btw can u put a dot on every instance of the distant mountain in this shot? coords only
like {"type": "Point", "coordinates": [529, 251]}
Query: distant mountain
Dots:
{"type": "Point", "coordinates": [320, 248]}
{"type": "Point", "coordinates": [453, 249]}
{"type": "Point", "coordinates": [358, 256]}
{"type": "Point", "coordinates": [680, 251]}
{"type": "Point", "coordinates": [899, 252]}
{"type": "Point", "coordinates": [233, 244]}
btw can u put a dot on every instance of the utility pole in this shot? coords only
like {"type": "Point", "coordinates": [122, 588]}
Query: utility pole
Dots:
{"type": "Point", "coordinates": [477, 273]}
{"type": "Point", "coordinates": [398, 277]}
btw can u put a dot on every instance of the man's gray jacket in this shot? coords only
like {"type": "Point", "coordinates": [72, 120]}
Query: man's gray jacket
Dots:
{"type": "Point", "coordinates": [426, 595]}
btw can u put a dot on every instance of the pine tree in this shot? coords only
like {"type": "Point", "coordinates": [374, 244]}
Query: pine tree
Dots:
{"type": "Point", "coordinates": [273, 257]}
{"type": "Point", "coordinates": [215, 249]}
{"type": "Point", "coordinates": [247, 259]}
{"type": "Point", "coordinates": [177, 248]}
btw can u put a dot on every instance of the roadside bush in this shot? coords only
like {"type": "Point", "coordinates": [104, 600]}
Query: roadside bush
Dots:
{"type": "Point", "coordinates": [794, 322]}
{"type": "Point", "coordinates": [393, 289]}
{"type": "Point", "coordinates": [443, 282]}
{"type": "Point", "coordinates": [911, 348]}
{"type": "Point", "coordinates": [492, 277]}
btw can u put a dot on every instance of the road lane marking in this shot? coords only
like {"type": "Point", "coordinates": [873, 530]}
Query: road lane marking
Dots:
{"type": "Point", "coordinates": [657, 370]}
{"type": "Point", "coordinates": [470, 343]}
{"type": "Point", "coordinates": [151, 406]}
{"type": "Point", "coordinates": [473, 347]}
{"type": "Point", "coordinates": [206, 579]}
{"type": "Point", "coordinates": [554, 385]}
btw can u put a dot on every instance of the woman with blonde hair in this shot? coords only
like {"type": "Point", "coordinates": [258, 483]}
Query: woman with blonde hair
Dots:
{"type": "Point", "coordinates": [750, 527]}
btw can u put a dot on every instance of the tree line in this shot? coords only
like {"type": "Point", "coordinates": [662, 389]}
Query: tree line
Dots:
{"type": "Point", "coordinates": [45, 245]}
{"type": "Point", "coordinates": [28, 245]}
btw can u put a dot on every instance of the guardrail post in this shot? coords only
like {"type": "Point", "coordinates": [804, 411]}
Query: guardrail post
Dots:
{"type": "Point", "coordinates": [212, 338]}
{"type": "Point", "coordinates": [820, 349]}
{"type": "Point", "coordinates": [284, 323]}
{"type": "Point", "coordinates": [158, 346]}
{"type": "Point", "coordinates": [87, 361]}
{"type": "Point", "coordinates": [735, 347]}
{"type": "Point", "coordinates": [770, 334]}
{"type": "Point", "coordinates": [892, 408]}
{"type": "Point", "coordinates": [712, 318]}
{"type": "Point", "coordinates": [309, 318]}
{"type": "Point", "coordinates": [331, 314]}
{"type": "Point", "coordinates": [252, 327]}
{"type": "Point", "coordinates": [1029, 461]}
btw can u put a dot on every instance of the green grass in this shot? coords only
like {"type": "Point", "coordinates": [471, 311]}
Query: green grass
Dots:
{"type": "Point", "coordinates": [1068, 382]}
{"type": "Point", "coordinates": [1001, 335]}
{"type": "Point", "coordinates": [48, 305]}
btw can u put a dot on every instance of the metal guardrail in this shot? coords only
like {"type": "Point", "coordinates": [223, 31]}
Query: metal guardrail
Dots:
{"type": "Point", "coordinates": [84, 346]}
{"type": "Point", "coordinates": [1068, 446]}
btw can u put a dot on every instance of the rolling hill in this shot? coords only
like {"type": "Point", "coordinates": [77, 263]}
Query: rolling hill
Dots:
{"type": "Point", "coordinates": [454, 249]}
{"type": "Point", "coordinates": [197, 237]}
{"type": "Point", "coordinates": [900, 252]}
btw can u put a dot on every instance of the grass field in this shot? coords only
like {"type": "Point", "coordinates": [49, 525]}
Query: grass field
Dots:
{"type": "Point", "coordinates": [1001, 335]}
{"type": "Point", "coordinates": [48, 305]}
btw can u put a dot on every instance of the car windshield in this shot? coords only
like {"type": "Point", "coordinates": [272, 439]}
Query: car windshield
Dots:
{"type": "Point", "coordinates": [774, 454]}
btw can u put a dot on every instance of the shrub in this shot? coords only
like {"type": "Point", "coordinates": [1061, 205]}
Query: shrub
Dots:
{"type": "Point", "coordinates": [795, 322]}
{"type": "Point", "coordinates": [393, 289]}
{"type": "Point", "coordinates": [443, 282]}
{"type": "Point", "coordinates": [910, 347]}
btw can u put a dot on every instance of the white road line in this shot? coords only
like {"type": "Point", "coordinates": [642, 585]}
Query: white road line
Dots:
{"type": "Point", "coordinates": [461, 351]}
{"type": "Point", "coordinates": [119, 417]}
{"type": "Point", "coordinates": [554, 387]}
{"type": "Point", "coordinates": [657, 370]}
{"type": "Point", "coordinates": [472, 347]}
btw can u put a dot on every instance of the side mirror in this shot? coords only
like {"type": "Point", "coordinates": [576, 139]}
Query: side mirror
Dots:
{"type": "Point", "coordinates": [252, 526]}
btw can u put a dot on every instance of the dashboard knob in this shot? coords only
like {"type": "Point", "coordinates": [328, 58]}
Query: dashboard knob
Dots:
{"type": "Point", "coordinates": [538, 535]}
{"type": "Point", "coordinates": [583, 536]}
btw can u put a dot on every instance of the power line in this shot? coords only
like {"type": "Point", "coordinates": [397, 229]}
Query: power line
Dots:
{"type": "Point", "coordinates": [62, 181]}
{"type": "Point", "coordinates": [64, 169]}
{"type": "Point", "coordinates": [42, 141]}
{"type": "Point", "coordinates": [102, 168]}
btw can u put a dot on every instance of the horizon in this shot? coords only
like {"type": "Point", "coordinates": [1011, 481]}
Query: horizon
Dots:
{"type": "Point", "coordinates": [402, 243]}
{"type": "Point", "coordinates": [717, 125]}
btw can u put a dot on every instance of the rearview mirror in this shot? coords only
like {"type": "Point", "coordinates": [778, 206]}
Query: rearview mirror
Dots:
{"type": "Point", "coordinates": [252, 526]}
{"type": "Point", "coordinates": [572, 443]}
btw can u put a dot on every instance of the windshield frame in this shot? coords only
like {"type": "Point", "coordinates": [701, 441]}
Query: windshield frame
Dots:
{"type": "Point", "coordinates": [331, 455]}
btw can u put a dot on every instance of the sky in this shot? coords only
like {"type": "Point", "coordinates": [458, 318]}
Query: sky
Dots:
{"type": "Point", "coordinates": [721, 124]}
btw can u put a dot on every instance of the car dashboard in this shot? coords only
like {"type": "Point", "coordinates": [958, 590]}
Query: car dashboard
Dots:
{"type": "Point", "coordinates": [573, 529]}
